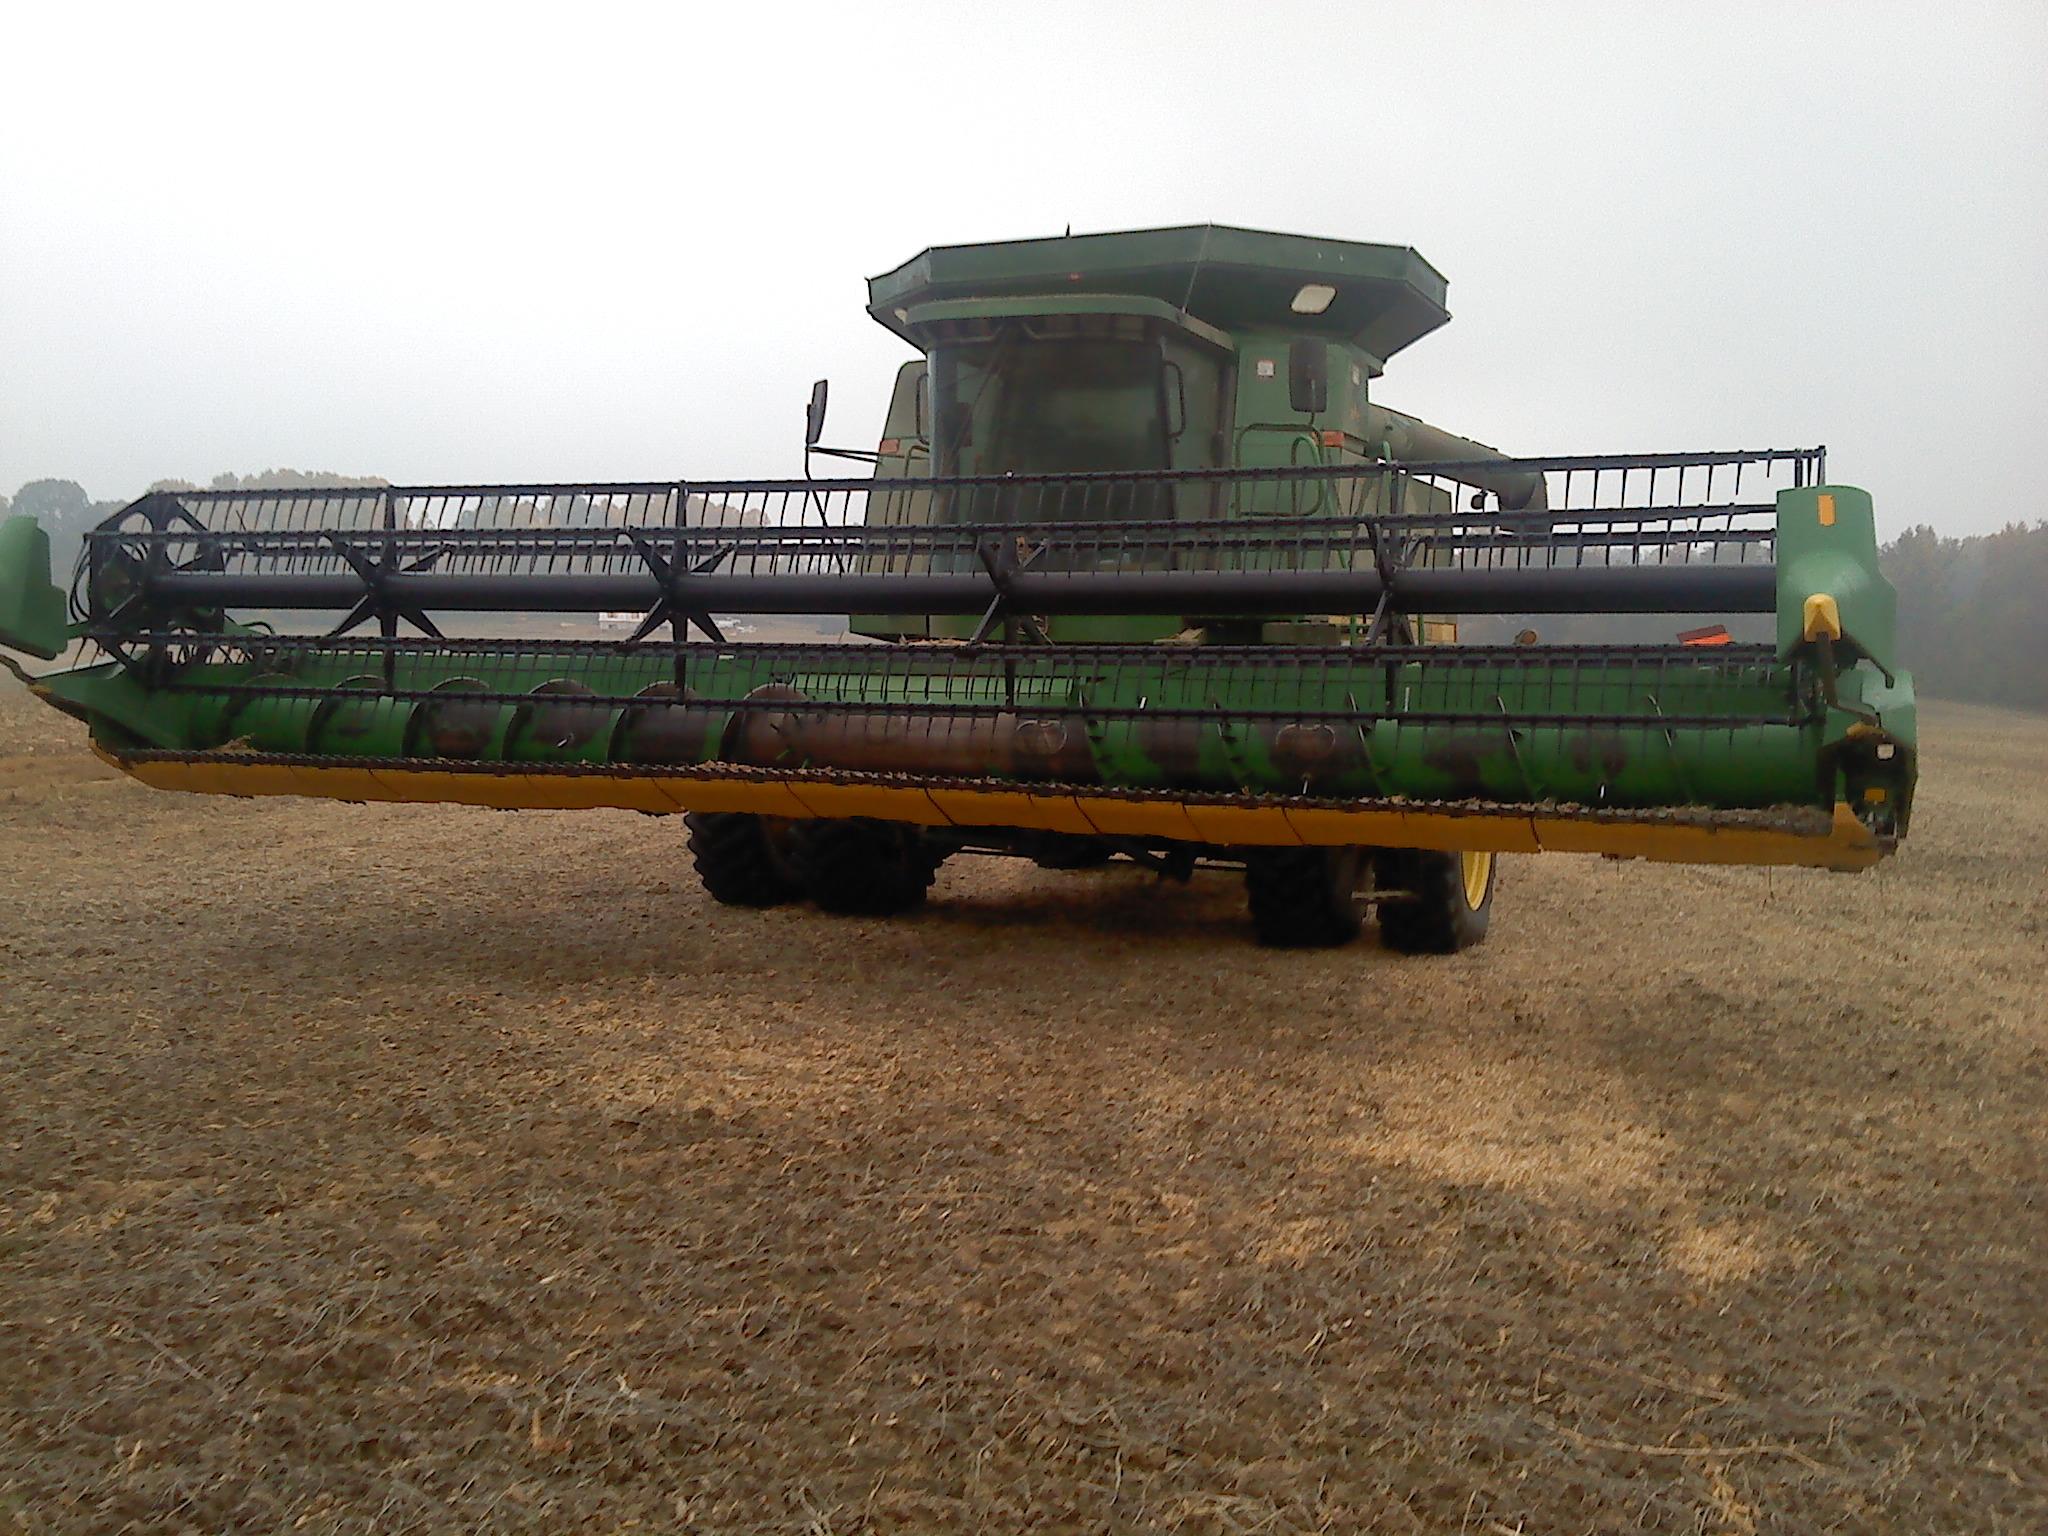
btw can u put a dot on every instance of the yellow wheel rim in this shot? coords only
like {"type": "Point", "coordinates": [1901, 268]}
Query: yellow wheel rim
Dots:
{"type": "Point", "coordinates": [1478, 871]}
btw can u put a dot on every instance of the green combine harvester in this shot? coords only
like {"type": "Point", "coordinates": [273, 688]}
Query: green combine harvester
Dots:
{"type": "Point", "coordinates": [1140, 570]}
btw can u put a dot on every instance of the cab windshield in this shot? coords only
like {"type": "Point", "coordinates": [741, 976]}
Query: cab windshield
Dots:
{"type": "Point", "coordinates": [1028, 404]}
{"type": "Point", "coordinates": [1103, 394]}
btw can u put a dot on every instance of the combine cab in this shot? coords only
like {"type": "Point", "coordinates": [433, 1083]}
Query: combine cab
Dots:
{"type": "Point", "coordinates": [1140, 571]}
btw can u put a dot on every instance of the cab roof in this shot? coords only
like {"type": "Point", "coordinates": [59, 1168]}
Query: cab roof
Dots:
{"type": "Point", "coordinates": [1381, 298]}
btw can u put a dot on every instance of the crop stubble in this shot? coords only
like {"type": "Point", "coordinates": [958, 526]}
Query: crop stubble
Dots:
{"type": "Point", "coordinates": [423, 1168]}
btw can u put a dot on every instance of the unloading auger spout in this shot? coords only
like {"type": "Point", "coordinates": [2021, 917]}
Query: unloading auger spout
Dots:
{"type": "Point", "coordinates": [1409, 440]}
{"type": "Point", "coordinates": [1138, 571]}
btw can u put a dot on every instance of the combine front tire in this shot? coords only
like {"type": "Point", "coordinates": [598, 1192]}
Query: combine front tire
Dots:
{"type": "Point", "coordinates": [1452, 900]}
{"type": "Point", "coordinates": [863, 868]}
{"type": "Point", "coordinates": [1307, 898]}
{"type": "Point", "coordinates": [736, 861]}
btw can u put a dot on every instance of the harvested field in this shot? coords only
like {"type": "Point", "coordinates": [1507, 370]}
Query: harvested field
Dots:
{"type": "Point", "coordinates": [407, 1168]}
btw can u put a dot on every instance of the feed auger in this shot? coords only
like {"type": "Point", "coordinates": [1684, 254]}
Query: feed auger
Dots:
{"type": "Point", "coordinates": [1139, 571]}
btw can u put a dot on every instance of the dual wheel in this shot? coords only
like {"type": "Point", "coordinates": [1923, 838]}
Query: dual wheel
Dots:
{"type": "Point", "coordinates": [1429, 903]}
{"type": "Point", "coordinates": [854, 866]}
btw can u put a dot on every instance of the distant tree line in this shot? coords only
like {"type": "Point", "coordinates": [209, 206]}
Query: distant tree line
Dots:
{"type": "Point", "coordinates": [1973, 611]}
{"type": "Point", "coordinates": [66, 512]}
{"type": "Point", "coordinates": [275, 480]}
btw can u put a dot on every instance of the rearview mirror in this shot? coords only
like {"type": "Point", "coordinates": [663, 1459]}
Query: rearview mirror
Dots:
{"type": "Point", "coordinates": [1308, 378]}
{"type": "Point", "coordinates": [814, 418]}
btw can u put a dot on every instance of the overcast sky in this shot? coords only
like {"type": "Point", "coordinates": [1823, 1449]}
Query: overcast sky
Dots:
{"type": "Point", "coordinates": [442, 243]}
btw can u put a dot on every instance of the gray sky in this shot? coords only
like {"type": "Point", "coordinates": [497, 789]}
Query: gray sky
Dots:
{"type": "Point", "coordinates": [508, 243]}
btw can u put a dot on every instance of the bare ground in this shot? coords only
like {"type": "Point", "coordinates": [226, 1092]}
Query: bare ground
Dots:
{"type": "Point", "coordinates": [430, 1168]}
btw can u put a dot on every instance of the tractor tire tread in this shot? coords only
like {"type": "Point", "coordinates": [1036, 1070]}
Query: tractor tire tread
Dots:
{"type": "Point", "coordinates": [730, 850]}
{"type": "Point", "coordinates": [1293, 903]}
{"type": "Point", "coordinates": [856, 867]}
{"type": "Point", "coordinates": [1439, 921]}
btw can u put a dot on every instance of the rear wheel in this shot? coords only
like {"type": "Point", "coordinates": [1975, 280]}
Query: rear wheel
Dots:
{"type": "Point", "coordinates": [1307, 898]}
{"type": "Point", "coordinates": [1063, 850]}
{"type": "Point", "coordinates": [863, 868]}
{"type": "Point", "coordinates": [1453, 900]}
{"type": "Point", "coordinates": [737, 860]}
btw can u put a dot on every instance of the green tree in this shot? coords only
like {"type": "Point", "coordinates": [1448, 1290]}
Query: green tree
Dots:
{"type": "Point", "coordinates": [1972, 622]}
{"type": "Point", "coordinates": [53, 503]}
{"type": "Point", "coordinates": [65, 512]}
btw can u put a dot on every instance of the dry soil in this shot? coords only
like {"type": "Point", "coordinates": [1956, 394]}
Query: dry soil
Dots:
{"type": "Point", "coordinates": [415, 1168]}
